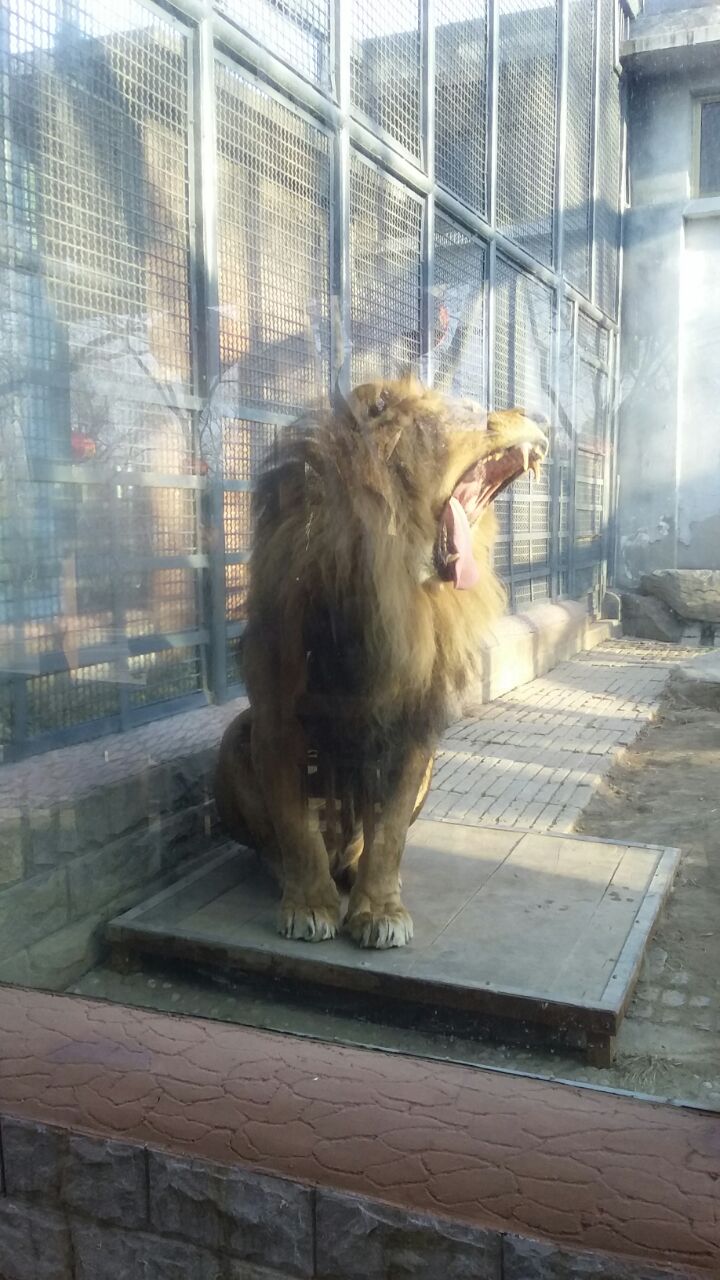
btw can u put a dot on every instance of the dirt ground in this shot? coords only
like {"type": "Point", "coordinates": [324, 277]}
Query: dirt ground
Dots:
{"type": "Point", "coordinates": [665, 790]}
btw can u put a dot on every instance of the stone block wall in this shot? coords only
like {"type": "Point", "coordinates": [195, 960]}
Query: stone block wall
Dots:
{"type": "Point", "coordinates": [70, 862]}
{"type": "Point", "coordinates": [80, 1208]}
{"type": "Point", "coordinates": [87, 831]}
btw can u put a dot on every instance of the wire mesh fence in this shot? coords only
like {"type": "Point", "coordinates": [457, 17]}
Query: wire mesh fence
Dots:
{"type": "Point", "coordinates": [189, 250]}
{"type": "Point", "coordinates": [527, 58]}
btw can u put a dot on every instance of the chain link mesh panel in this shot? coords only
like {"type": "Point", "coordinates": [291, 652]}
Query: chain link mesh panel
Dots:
{"type": "Point", "coordinates": [385, 66]}
{"type": "Point", "coordinates": [522, 377]}
{"type": "Point", "coordinates": [459, 311]}
{"type": "Point", "coordinates": [385, 227]}
{"type": "Point", "coordinates": [607, 219]}
{"type": "Point", "coordinates": [526, 123]}
{"type": "Point", "coordinates": [298, 31]}
{"type": "Point", "coordinates": [162, 676]}
{"type": "Point", "coordinates": [111, 468]}
{"type": "Point", "coordinates": [461, 40]}
{"type": "Point", "coordinates": [591, 423]}
{"type": "Point", "coordinates": [273, 248]}
{"type": "Point", "coordinates": [591, 383]}
{"type": "Point", "coordinates": [247, 448]}
{"type": "Point", "coordinates": [564, 442]}
{"type": "Point", "coordinates": [274, 174]}
{"type": "Point", "coordinates": [522, 339]}
{"type": "Point", "coordinates": [577, 241]}
{"type": "Point", "coordinates": [96, 330]}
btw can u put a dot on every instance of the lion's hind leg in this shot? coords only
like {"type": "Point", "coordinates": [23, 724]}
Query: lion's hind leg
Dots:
{"type": "Point", "coordinates": [238, 796]}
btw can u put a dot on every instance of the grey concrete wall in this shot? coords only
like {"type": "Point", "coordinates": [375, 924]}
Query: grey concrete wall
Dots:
{"type": "Point", "coordinates": [699, 401]}
{"type": "Point", "coordinates": [669, 420]}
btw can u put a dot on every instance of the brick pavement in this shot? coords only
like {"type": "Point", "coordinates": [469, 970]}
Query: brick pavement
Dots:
{"type": "Point", "coordinates": [533, 757]}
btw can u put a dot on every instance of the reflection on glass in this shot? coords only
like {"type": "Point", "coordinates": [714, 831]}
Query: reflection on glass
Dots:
{"type": "Point", "coordinates": [197, 259]}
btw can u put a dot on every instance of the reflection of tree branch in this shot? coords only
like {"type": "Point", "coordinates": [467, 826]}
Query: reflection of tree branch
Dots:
{"type": "Point", "coordinates": [652, 365]}
{"type": "Point", "coordinates": [81, 363]}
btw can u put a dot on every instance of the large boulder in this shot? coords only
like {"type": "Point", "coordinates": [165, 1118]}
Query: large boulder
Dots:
{"type": "Point", "coordinates": [650, 619]}
{"type": "Point", "coordinates": [692, 593]}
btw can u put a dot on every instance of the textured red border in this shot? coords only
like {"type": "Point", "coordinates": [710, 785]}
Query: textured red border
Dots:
{"type": "Point", "coordinates": [585, 1169]}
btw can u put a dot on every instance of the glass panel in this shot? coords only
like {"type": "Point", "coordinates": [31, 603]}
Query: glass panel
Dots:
{"type": "Point", "coordinates": [200, 254]}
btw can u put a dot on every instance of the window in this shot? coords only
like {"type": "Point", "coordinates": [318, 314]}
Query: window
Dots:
{"type": "Point", "coordinates": [708, 152]}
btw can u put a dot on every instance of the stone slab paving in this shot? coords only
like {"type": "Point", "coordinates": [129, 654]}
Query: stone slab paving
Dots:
{"type": "Point", "coordinates": [533, 757]}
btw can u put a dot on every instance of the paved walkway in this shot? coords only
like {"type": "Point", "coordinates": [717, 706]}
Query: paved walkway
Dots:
{"type": "Point", "coordinates": [533, 757]}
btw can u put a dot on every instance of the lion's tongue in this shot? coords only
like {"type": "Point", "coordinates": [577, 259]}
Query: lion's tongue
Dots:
{"type": "Point", "coordinates": [465, 570]}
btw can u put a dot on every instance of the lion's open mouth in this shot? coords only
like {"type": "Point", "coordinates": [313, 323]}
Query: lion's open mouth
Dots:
{"type": "Point", "coordinates": [475, 490]}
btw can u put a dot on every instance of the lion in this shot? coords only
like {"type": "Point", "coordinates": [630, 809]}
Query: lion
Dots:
{"type": "Point", "coordinates": [371, 585]}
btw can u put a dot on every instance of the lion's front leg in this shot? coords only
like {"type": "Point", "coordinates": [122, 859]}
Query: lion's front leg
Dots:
{"type": "Point", "coordinates": [310, 907]}
{"type": "Point", "coordinates": [376, 916]}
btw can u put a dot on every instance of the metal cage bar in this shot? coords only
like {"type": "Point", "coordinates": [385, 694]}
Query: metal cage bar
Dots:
{"type": "Point", "coordinates": [206, 330]}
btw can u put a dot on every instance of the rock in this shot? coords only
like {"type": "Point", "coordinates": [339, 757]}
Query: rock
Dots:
{"type": "Point", "coordinates": [699, 681]}
{"type": "Point", "coordinates": [650, 619]}
{"type": "Point", "coordinates": [692, 593]}
{"type": "Point", "coordinates": [360, 1239]}
{"type": "Point", "coordinates": [261, 1220]}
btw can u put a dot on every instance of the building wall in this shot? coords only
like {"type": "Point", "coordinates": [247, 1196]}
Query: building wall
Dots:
{"type": "Point", "coordinates": [669, 420]}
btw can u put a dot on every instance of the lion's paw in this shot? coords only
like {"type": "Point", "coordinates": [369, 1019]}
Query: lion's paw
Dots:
{"type": "Point", "coordinates": [307, 923]}
{"type": "Point", "coordinates": [381, 928]}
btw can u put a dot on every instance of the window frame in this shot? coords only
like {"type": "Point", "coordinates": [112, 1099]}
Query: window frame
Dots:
{"type": "Point", "coordinates": [699, 101]}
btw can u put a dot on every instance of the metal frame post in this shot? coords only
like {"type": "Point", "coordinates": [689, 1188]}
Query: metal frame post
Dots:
{"type": "Point", "coordinates": [594, 161]}
{"type": "Point", "coordinates": [17, 683]}
{"type": "Point", "coordinates": [206, 330]}
{"type": "Point", "coordinates": [572, 455]}
{"type": "Point", "coordinates": [340, 263]}
{"type": "Point", "coordinates": [427, 252]}
{"type": "Point", "coordinates": [491, 197]}
{"type": "Point", "coordinates": [558, 296]}
{"type": "Point", "coordinates": [608, 515]}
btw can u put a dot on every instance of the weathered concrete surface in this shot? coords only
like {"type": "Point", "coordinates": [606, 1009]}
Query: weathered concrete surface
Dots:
{"type": "Point", "coordinates": [669, 412]}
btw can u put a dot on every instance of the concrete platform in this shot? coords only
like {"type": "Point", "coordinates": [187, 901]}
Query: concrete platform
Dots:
{"type": "Point", "coordinates": [543, 930]}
